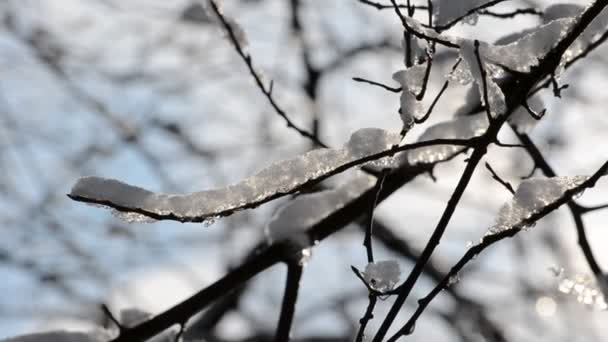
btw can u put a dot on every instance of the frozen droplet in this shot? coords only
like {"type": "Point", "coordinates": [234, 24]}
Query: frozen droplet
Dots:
{"type": "Point", "coordinates": [305, 256]}
{"type": "Point", "coordinates": [453, 280]}
{"type": "Point", "coordinates": [209, 221]}
{"type": "Point", "coordinates": [528, 227]}
{"type": "Point", "coordinates": [382, 276]}
{"type": "Point", "coordinates": [469, 244]}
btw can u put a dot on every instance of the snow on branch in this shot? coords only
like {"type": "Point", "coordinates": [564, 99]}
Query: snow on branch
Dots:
{"type": "Point", "coordinates": [136, 204]}
{"type": "Point", "coordinates": [528, 50]}
{"type": "Point", "coordinates": [531, 197]}
{"type": "Point", "coordinates": [461, 127]}
{"type": "Point", "coordinates": [449, 12]}
{"type": "Point", "coordinates": [278, 179]}
{"type": "Point", "coordinates": [561, 190]}
{"type": "Point", "coordinates": [293, 220]}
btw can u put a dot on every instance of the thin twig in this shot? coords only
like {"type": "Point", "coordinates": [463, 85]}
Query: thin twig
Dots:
{"type": "Point", "coordinates": [420, 35]}
{"type": "Point", "coordinates": [594, 208]}
{"type": "Point", "coordinates": [541, 163]}
{"type": "Point", "coordinates": [367, 241]}
{"type": "Point", "coordinates": [512, 14]}
{"type": "Point", "coordinates": [534, 114]}
{"type": "Point", "coordinates": [501, 144]}
{"type": "Point", "coordinates": [427, 72]}
{"type": "Point", "coordinates": [484, 80]}
{"type": "Point", "coordinates": [380, 6]}
{"type": "Point", "coordinates": [266, 91]}
{"type": "Point", "coordinates": [368, 316]}
{"type": "Point", "coordinates": [292, 287]}
{"type": "Point", "coordinates": [438, 96]}
{"type": "Point", "coordinates": [496, 177]}
{"type": "Point", "coordinates": [106, 311]}
{"type": "Point", "coordinates": [381, 85]}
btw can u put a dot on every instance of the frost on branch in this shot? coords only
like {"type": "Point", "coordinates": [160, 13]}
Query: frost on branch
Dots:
{"type": "Point", "coordinates": [531, 197]}
{"type": "Point", "coordinates": [382, 276]}
{"type": "Point", "coordinates": [462, 127]}
{"type": "Point", "coordinates": [276, 180]}
{"type": "Point", "coordinates": [62, 336]}
{"type": "Point", "coordinates": [292, 221]}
